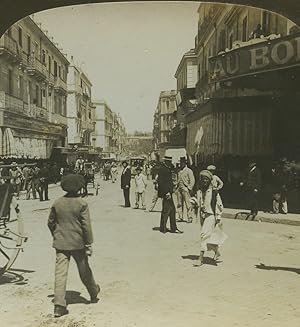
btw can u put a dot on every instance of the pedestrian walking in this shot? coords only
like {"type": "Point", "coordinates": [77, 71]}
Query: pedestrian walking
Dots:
{"type": "Point", "coordinates": [44, 182]}
{"type": "Point", "coordinates": [36, 184]}
{"type": "Point", "coordinates": [217, 182]}
{"type": "Point", "coordinates": [28, 181]}
{"type": "Point", "coordinates": [252, 186]}
{"type": "Point", "coordinates": [165, 191]}
{"type": "Point", "coordinates": [210, 211]}
{"type": "Point", "coordinates": [126, 182]}
{"type": "Point", "coordinates": [114, 172]}
{"type": "Point", "coordinates": [140, 181]}
{"type": "Point", "coordinates": [185, 184]}
{"type": "Point", "coordinates": [16, 177]}
{"type": "Point", "coordinates": [155, 195]}
{"type": "Point", "coordinates": [70, 225]}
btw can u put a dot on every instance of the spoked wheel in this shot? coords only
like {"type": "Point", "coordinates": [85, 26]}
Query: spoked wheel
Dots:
{"type": "Point", "coordinates": [11, 241]}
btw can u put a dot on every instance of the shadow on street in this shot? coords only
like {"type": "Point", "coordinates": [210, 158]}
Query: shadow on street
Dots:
{"type": "Point", "coordinates": [289, 269]}
{"type": "Point", "coordinates": [12, 277]}
{"type": "Point", "coordinates": [73, 297]}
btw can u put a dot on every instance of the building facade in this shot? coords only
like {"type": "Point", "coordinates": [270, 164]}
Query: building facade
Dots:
{"type": "Point", "coordinates": [80, 109]}
{"type": "Point", "coordinates": [109, 131]}
{"type": "Point", "coordinates": [164, 120]}
{"type": "Point", "coordinates": [247, 96]}
{"type": "Point", "coordinates": [248, 71]}
{"type": "Point", "coordinates": [186, 76]}
{"type": "Point", "coordinates": [33, 93]}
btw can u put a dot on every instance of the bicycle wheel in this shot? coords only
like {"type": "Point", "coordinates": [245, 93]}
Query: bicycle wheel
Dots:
{"type": "Point", "coordinates": [11, 241]}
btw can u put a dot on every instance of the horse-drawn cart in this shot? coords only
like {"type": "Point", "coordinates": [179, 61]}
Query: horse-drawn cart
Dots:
{"type": "Point", "coordinates": [11, 228]}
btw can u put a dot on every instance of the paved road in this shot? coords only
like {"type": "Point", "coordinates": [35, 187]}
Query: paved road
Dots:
{"type": "Point", "coordinates": [149, 279]}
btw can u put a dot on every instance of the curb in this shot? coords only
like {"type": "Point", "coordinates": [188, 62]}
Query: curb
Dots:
{"type": "Point", "coordinates": [291, 222]}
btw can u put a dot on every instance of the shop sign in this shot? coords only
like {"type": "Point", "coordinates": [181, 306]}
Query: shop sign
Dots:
{"type": "Point", "coordinates": [270, 55]}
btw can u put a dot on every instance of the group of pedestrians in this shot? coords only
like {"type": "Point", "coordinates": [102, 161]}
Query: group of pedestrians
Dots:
{"type": "Point", "coordinates": [198, 197]}
{"type": "Point", "coordinates": [29, 178]}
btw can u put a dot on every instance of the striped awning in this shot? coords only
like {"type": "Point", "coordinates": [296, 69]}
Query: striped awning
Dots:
{"type": "Point", "coordinates": [231, 133]}
{"type": "Point", "coordinates": [15, 146]}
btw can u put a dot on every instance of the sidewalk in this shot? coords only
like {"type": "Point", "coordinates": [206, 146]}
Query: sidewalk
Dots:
{"type": "Point", "coordinates": [288, 219]}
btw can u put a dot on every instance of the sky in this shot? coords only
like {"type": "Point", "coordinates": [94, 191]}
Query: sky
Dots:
{"type": "Point", "coordinates": [129, 51]}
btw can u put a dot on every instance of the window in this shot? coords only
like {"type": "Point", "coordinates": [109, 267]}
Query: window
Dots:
{"type": "Point", "coordinates": [21, 87]}
{"type": "Point", "coordinates": [59, 71]}
{"type": "Point", "coordinates": [28, 44]}
{"type": "Point", "coordinates": [245, 29]}
{"type": "Point", "coordinates": [43, 57]}
{"type": "Point", "coordinates": [36, 50]}
{"type": "Point", "coordinates": [266, 17]}
{"type": "Point", "coordinates": [20, 38]}
{"type": "Point", "coordinates": [37, 95]}
{"type": "Point", "coordinates": [230, 40]}
{"type": "Point", "coordinates": [222, 40]}
{"type": "Point", "coordinates": [10, 82]}
{"type": "Point", "coordinates": [30, 91]}
{"type": "Point", "coordinates": [55, 68]}
{"type": "Point", "coordinates": [49, 64]}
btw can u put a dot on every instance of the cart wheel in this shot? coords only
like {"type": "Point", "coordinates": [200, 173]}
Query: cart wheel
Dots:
{"type": "Point", "coordinates": [11, 241]}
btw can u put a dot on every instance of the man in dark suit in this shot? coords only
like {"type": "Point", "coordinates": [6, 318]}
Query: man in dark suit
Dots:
{"type": "Point", "coordinates": [253, 187]}
{"type": "Point", "coordinates": [44, 182]}
{"type": "Point", "coordinates": [125, 182]}
{"type": "Point", "coordinates": [70, 226]}
{"type": "Point", "coordinates": [165, 191]}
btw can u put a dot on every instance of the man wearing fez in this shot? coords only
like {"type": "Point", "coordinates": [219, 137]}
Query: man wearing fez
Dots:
{"type": "Point", "coordinates": [70, 226]}
{"type": "Point", "coordinates": [165, 191]}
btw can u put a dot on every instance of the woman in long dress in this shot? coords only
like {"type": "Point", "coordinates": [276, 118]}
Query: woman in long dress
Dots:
{"type": "Point", "coordinates": [210, 211]}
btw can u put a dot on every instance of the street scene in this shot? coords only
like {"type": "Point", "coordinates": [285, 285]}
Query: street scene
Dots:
{"type": "Point", "coordinates": [159, 187]}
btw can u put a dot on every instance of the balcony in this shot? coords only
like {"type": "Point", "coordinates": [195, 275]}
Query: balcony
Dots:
{"type": "Point", "coordinates": [15, 105]}
{"type": "Point", "coordinates": [60, 86]}
{"type": "Point", "coordinates": [37, 69]}
{"type": "Point", "coordinates": [9, 48]}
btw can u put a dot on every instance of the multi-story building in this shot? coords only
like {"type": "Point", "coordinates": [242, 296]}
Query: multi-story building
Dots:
{"type": "Point", "coordinates": [248, 72]}
{"type": "Point", "coordinates": [164, 119]}
{"type": "Point", "coordinates": [80, 109]}
{"type": "Point", "coordinates": [109, 131]}
{"type": "Point", "coordinates": [33, 92]}
{"type": "Point", "coordinates": [247, 93]}
{"type": "Point", "coordinates": [186, 76]}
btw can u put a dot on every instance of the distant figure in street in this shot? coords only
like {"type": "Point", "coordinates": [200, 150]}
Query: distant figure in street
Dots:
{"type": "Point", "coordinates": [70, 225]}
{"type": "Point", "coordinates": [217, 182]}
{"type": "Point", "coordinates": [140, 181]}
{"type": "Point", "coordinates": [44, 182]}
{"type": "Point", "coordinates": [125, 183]}
{"type": "Point", "coordinates": [28, 175]}
{"type": "Point", "coordinates": [36, 184]}
{"type": "Point", "coordinates": [185, 184]}
{"type": "Point", "coordinates": [79, 164]}
{"type": "Point", "coordinates": [253, 186]}
{"type": "Point", "coordinates": [210, 211]}
{"type": "Point", "coordinates": [16, 176]}
{"type": "Point", "coordinates": [165, 191]}
{"type": "Point", "coordinates": [114, 172]}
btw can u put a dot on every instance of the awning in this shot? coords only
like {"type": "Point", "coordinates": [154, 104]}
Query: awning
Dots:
{"type": "Point", "coordinates": [231, 133]}
{"type": "Point", "coordinates": [23, 147]}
